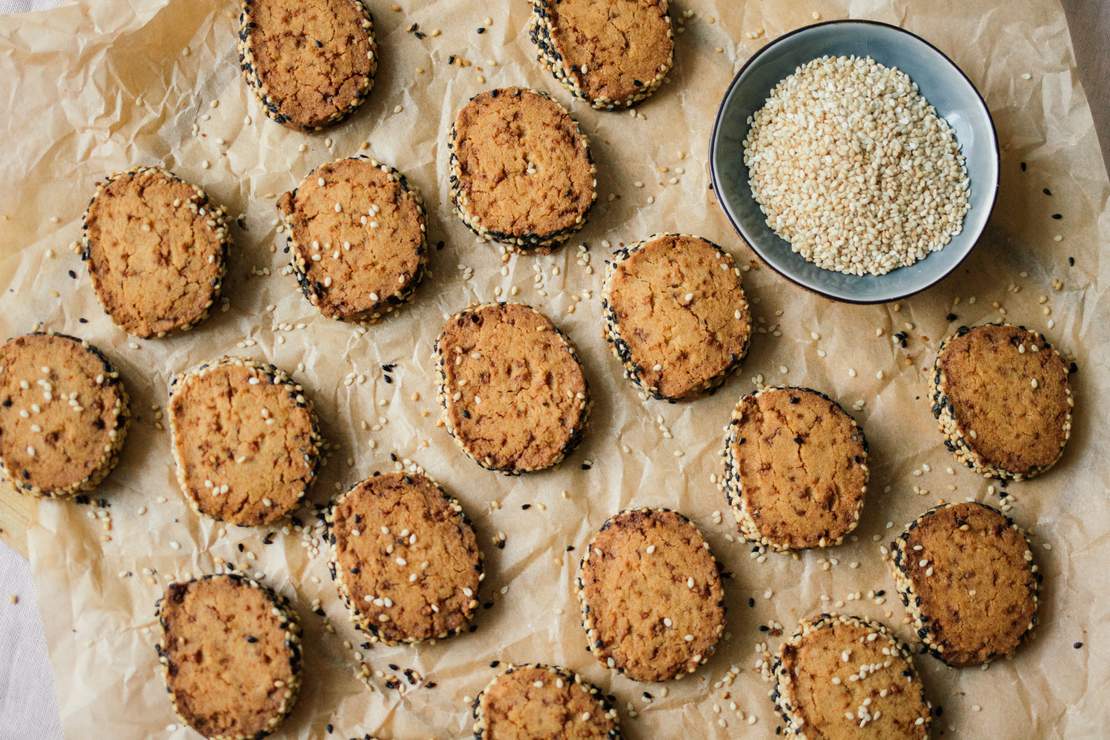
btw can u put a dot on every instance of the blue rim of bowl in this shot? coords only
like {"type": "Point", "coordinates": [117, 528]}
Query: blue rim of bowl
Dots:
{"type": "Point", "coordinates": [752, 243]}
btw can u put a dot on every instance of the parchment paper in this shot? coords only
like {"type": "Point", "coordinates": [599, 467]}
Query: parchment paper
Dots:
{"type": "Point", "coordinates": [94, 88]}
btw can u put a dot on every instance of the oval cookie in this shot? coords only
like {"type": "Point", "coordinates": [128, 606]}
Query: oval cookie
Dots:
{"type": "Point", "coordinates": [1002, 398]}
{"type": "Point", "coordinates": [244, 439]}
{"type": "Point", "coordinates": [542, 701]}
{"type": "Point", "coordinates": [613, 53]}
{"type": "Point", "coordinates": [64, 414]}
{"type": "Point", "coordinates": [521, 170]}
{"type": "Point", "coordinates": [675, 315]}
{"type": "Point", "coordinates": [514, 394]}
{"type": "Point", "coordinates": [795, 469]}
{"type": "Point", "coordinates": [405, 559]}
{"type": "Point", "coordinates": [357, 238]}
{"type": "Point", "coordinates": [652, 603]}
{"type": "Point", "coordinates": [156, 248]}
{"type": "Point", "coordinates": [846, 677]}
{"type": "Point", "coordinates": [230, 654]}
{"type": "Point", "coordinates": [966, 575]}
{"type": "Point", "coordinates": [310, 62]}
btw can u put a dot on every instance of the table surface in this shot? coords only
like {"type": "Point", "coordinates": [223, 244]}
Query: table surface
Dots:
{"type": "Point", "coordinates": [1089, 22]}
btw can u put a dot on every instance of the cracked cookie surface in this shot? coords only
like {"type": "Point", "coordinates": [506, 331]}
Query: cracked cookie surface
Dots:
{"type": "Point", "coordinates": [358, 237]}
{"type": "Point", "coordinates": [612, 53]}
{"type": "Point", "coordinates": [795, 468]}
{"type": "Point", "coordinates": [1003, 399]}
{"type": "Point", "coordinates": [842, 677]}
{"type": "Point", "coordinates": [311, 62]}
{"type": "Point", "coordinates": [676, 315]}
{"type": "Point", "coordinates": [405, 558]}
{"type": "Point", "coordinates": [514, 393]}
{"type": "Point", "coordinates": [156, 250]}
{"type": "Point", "coordinates": [528, 702]}
{"type": "Point", "coordinates": [521, 171]}
{"type": "Point", "coordinates": [231, 655]}
{"type": "Point", "coordinates": [63, 414]}
{"type": "Point", "coordinates": [244, 439]}
{"type": "Point", "coordinates": [651, 595]}
{"type": "Point", "coordinates": [967, 577]}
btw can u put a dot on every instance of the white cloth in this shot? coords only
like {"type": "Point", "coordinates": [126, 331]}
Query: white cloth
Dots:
{"type": "Point", "coordinates": [28, 708]}
{"type": "Point", "coordinates": [9, 7]}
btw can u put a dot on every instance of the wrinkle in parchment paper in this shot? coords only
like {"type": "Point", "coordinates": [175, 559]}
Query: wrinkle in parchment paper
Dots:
{"type": "Point", "coordinates": [90, 89]}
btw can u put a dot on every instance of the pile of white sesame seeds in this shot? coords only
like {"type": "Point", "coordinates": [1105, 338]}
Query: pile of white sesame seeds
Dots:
{"type": "Point", "coordinates": [854, 168]}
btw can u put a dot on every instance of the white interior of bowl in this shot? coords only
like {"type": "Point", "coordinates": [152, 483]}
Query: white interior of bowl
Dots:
{"type": "Point", "coordinates": [942, 84]}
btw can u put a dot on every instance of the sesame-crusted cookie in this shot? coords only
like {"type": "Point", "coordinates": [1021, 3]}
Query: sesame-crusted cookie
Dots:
{"type": "Point", "coordinates": [156, 249]}
{"type": "Point", "coordinates": [1002, 398]}
{"type": "Point", "coordinates": [405, 558]}
{"type": "Point", "coordinates": [966, 575]}
{"type": "Point", "coordinates": [357, 237]}
{"type": "Point", "coordinates": [311, 62]}
{"type": "Point", "coordinates": [521, 170]}
{"type": "Point", "coordinates": [245, 440]}
{"type": "Point", "coordinates": [533, 701]}
{"type": "Point", "coordinates": [613, 53]}
{"type": "Point", "coordinates": [795, 468]}
{"type": "Point", "coordinates": [841, 677]}
{"type": "Point", "coordinates": [230, 654]}
{"type": "Point", "coordinates": [652, 603]}
{"type": "Point", "coordinates": [675, 314]}
{"type": "Point", "coordinates": [512, 388]}
{"type": "Point", "coordinates": [64, 414]}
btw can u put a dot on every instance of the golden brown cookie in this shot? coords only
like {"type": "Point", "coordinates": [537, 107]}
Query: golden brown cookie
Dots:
{"type": "Point", "coordinates": [613, 53]}
{"type": "Point", "coordinates": [675, 314]}
{"type": "Point", "coordinates": [230, 654]}
{"type": "Point", "coordinates": [795, 469]}
{"type": "Point", "coordinates": [245, 440]}
{"type": "Point", "coordinates": [842, 677]}
{"type": "Point", "coordinates": [652, 603]}
{"type": "Point", "coordinates": [513, 391]}
{"type": "Point", "coordinates": [405, 559]}
{"type": "Point", "coordinates": [534, 701]}
{"type": "Point", "coordinates": [156, 249]}
{"type": "Point", "coordinates": [1003, 400]}
{"type": "Point", "coordinates": [357, 237]}
{"type": "Point", "coordinates": [521, 170]}
{"type": "Point", "coordinates": [311, 62]}
{"type": "Point", "coordinates": [966, 575]}
{"type": "Point", "coordinates": [64, 414]}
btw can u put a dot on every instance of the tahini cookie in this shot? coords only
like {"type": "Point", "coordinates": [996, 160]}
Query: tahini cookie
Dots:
{"type": "Point", "coordinates": [966, 575]}
{"type": "Point", "coordinates": [795, 468]}
{"type": "Point", "coordinates": [1002, 398]}
{"type": "Point", "coordinates": [542, 701]}
{"type": "Point", "coordinates": [652, 603]}
{"type": "Point", "coordinates": [230, 654]}
{"type": "Point", "coordinates": [512, 388]}
{"type": "Point", "coordinates": [521, 170]}
{"type": "Point", "coordinates": [156, 249]}
{"type": "Point", "coordinates": [613, 53]}
{"type": "Point", "coordinates": [245, 440]}
{"type": "Point", "coordinates": [405, 559]}
{"type": "Point", "coordinates": [357, 237]}
{"type": "Point", "coordinates": [310, 62]}
{"type": "Point", "coordinates": [675, 314]}
{"type": "Point", "coordinates": [64, 414]}
{"type": "Point", "coordinates": [847, 677]}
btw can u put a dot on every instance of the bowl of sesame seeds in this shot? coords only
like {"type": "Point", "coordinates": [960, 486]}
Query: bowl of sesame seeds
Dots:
{"type": "Point", "coordinates": [856, 159]}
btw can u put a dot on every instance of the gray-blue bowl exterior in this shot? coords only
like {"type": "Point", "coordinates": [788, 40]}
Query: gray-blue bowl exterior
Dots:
{"type": "Point", "coordinates": [939, 80]}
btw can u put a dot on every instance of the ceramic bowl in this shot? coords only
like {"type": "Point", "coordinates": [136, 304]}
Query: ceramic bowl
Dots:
{"type": "Point", "coordinates": [939, 80]}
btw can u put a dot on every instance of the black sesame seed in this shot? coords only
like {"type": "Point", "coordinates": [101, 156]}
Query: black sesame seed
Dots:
{"type": "Point", "coordinates": [1077, 645]}
{"type": "Point", "coordinates": [1057, 216]}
